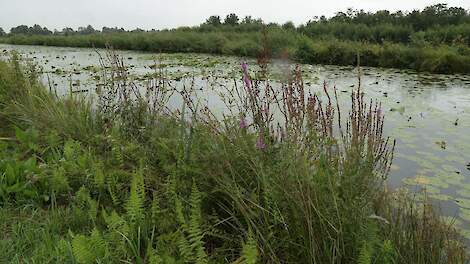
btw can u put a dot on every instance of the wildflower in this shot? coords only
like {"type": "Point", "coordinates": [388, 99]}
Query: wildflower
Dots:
{"type": "Point", "coordinates": [246, 77]}
{"type": "Point", "coordinates": [243, 123]}
{"type": "Point", "coordinates": [245, 67]}
{"type": "Point", "coordinates": [247, 81]}
{"type": "Point", "coordinates": [260, 145]}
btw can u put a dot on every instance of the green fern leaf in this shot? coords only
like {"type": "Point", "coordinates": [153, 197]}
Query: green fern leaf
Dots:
{"type": "Point", "coordinates": [250, 250]}
{"type": "Point", "coordinates": [90, 249]}
{"type": "Point", "coordinates": [365, 255]}
{"type": "Point", "coordinates": [135, 204]}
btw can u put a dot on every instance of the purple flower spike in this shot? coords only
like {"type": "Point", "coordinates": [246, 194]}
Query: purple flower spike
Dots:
{"type": "Point", "coordinates": [246, 77]}
{"type": "Point", "coordinates": [260, 145]}
{"type": "Point", "coordinates": [244, 66]}
{"type": "Point", "coordinates": [247, 81]}
{"type": "Point", "coordinates": [243, 123]}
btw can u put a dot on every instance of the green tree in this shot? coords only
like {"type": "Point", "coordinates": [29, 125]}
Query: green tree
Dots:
{"type": "Point", "coordinates": [86, 30]}
{"type": "Point", "coordinates": [112, 30]}
{"type": "Point", "coordinates": [2, 32]}
{"type": "Point", "coordinates": [214, 21]}
{"type": "Point", "coordinates": [231, 19]}
{"type": "Point", "coordinates": [22, 29]}
{"type": "Point", "coordinates": [38, 30]}
{"type": "Point", "coordinates": [289, 25]}
{"type": "Point", "coordinates": [68, 31]}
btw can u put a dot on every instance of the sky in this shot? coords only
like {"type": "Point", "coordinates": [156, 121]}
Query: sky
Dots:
{"type": "Point", "coordinates": [160, 14]}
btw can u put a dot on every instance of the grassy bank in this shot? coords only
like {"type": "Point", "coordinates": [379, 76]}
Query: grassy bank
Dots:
{"type": "Point", "coordinates": [130, 181]}
{"type": "Point", "coordinates": [420, 56]}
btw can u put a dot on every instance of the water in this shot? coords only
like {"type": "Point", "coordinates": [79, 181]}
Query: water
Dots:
{"type": "Point", "coordinates": [428, 114]}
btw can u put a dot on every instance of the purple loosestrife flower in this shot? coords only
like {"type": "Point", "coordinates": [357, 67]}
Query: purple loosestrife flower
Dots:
{"type": "Point", "coordinates": [244, 66]}
{"type": "Point", "coordinates": [260, 145]}
{"type": "Point", "coordinates": [243, 123]}
{"type": "Point", "coordinates": [246, 77]}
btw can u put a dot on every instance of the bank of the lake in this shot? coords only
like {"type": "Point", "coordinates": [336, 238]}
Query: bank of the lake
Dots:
{"type": "Point", "coordinates": [424, 57]}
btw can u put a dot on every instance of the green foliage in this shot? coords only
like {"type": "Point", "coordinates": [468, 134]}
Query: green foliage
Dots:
{"type": "Point", "coordinates": [90, 249]}
{"type": "Point", "coordinates": [135, 204]}
{"type": "Point", "coordinates": [250, 250]}
{"type": "Point", "coordinates": [387, 253]}
{"type": "Point", "coordinates": [191, 243]}
{"type": "Point", "coordinates": [365, 254]}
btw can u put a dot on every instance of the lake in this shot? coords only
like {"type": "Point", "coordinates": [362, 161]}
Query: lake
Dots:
{"type": "Point", "coordinates": [428, 114]}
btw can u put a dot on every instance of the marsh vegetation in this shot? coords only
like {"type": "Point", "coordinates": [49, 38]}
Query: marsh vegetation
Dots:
{"type": "Point", "coordinates": [435, 39]}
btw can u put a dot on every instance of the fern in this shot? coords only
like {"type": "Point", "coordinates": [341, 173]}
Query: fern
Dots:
{"type": "Point", "coordinates": [250, 250]}
{"type": "Point", "coordinates": [387, 253]}
{"type": "Point", "coordinates": [195, 232]}
{"type": "Point", "coordinates": [153, 257]}
{"type": "Point", "coordinates": [84, 201]}
{"type": "Point", "coordinates": [90, 249]}
{"type": "Point", "coordinates": [155, 210]}
{"type": "Point", "coordinates": [64, 249]}
{"type": "Point", "coordinates": [135, 204]}
{"type": "Point", "coordinates": [99, 177]}
{"type": "Point", "coordinates": [112, 186]}
{"type": "Point", "coordinates": [365, 254]}
{"type": "Point", "coordinates": [70, 150]}
{"type": "Point", "coordinates": [116, 223]}
{"type": "Point", "coordinates": [116, 151]}
{"type": "Point", "coordinates": [191, 243]}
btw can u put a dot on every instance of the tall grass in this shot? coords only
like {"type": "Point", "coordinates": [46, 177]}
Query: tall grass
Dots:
{"type": "Point", "coordinates": [131, 181]}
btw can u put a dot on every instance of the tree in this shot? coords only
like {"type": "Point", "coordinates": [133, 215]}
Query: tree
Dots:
{"type": "Point", "coordinates": [68, 31]}
{"type": "Point", "coordinates": [231, 19]}
{"type": "Point", "coordinates": [214, 21]}
{"type": "Point", "coordinates": [88, 30]}
{"type": "Point", "coordinates": [112, 30]}
{"type": "Point", "coordinates": [248, 20]}
{"type": "Point", "coordinates": [289, 25]}
{"type": "Point", "coordinates": [38, 30]}
{"type": "Point", "coordinates": [22, 29]}
{"type": "Point", "coordinates": [137, 30]}
{"type": "Point", "coordinates": [251, 20]}
{"type": "Point", "coordinates": [2, 32]}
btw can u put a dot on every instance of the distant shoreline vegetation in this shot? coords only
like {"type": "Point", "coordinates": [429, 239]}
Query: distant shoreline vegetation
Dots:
{"type": "Point", "coordinates": [435, 39]}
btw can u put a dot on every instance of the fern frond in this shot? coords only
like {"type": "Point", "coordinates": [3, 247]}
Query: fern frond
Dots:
{"type": "Point", "coordinates": [115, 222]}
{"type": "Point", "coordinates": [250, 250]}
{"type": "Point", "coordinates": [99, 177]}
{"type": "Point", "coordinates": [191, 243]}
{"type": "Point", "coordinates": [387, 253]}
{"type": "Point", "coordinates": [90, 249]}
{"type": "Point", "coordinates": [84, 201]}
{"type": "Point", "coordinates": [155, 210]}
{"type": "Point", "coordinates": [195, 233]}
{"type": "Point", "coordinates": [365, 254]}
{"type": "Point", "coordinates": [153, 257]}
{"type": "Point", "coordinates": [135, 204]}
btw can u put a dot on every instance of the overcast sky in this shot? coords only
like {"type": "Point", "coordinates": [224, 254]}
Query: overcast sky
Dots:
{"type": "Point", "coordinates": [159, 14]}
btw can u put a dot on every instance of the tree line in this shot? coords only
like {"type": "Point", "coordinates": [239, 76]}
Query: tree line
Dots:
{"type": "Point", "coordinates": [39, 30]}
{"type": "Point", "coordinates": [351, 24]}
